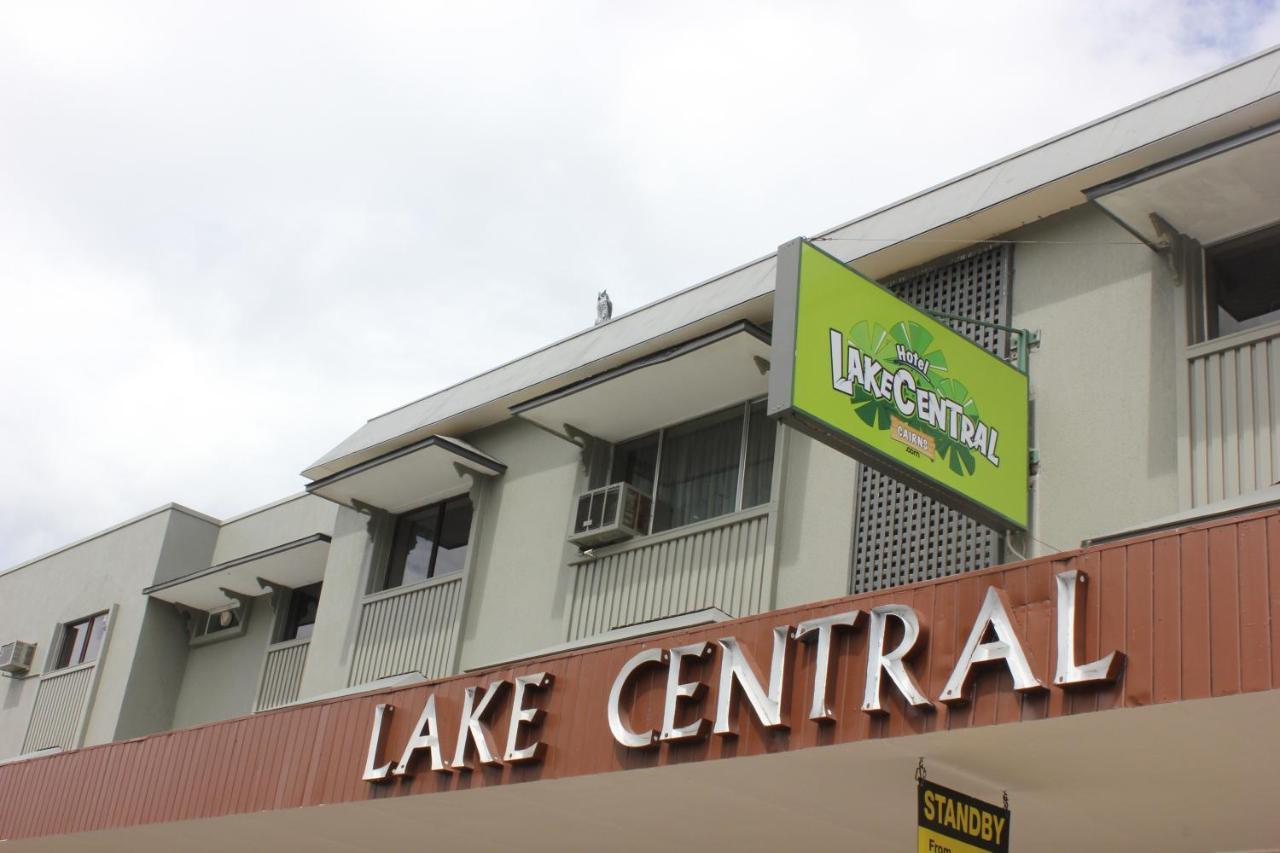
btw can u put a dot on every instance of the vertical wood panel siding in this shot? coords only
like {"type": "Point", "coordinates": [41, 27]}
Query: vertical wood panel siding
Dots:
{"type": "Point", "coordinates": [1195, 610]}
{"type": "Point", "coordinates": [412, 631]}
{"type": "Point", "coordinates": [1234, 417]}
{"type": "Point", "coordinates": [725, 567]}
{"type": "Point", "coordinates": [60, 700]}
{"type": "Point", "coordinates": [282, 675]}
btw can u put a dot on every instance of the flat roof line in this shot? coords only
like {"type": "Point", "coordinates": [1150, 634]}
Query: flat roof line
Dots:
{"type": "Point", "coordinates": [175, 507]}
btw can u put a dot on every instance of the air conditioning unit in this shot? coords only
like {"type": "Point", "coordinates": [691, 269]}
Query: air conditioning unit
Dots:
{"type": "Point", "coordinates": [16, 657]}
{"type": "Point", "coordinates": [610, 514]}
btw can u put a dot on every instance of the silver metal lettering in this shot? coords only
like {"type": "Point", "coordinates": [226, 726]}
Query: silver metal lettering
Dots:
{"type": "Point", "coordinates": [879, 661]}
{"type": "Point", "coordinates": [522, 716]}
{"type": "Point", "coordinates": [819, 632]}
{"type": "Point", "coordinates": [678, 691]}
{"type": "Point", "coordinates": [473, 727]}
{"type": "Point", "coordinates": [1071, 632]}
{"type": "Point", "coordinates": [1007, 647]}
{"type": "Point", "coordinates": [373, 772]}
{"type": "Point", "coordinates": [734, 666]}
{"type": "Point", "coordinates": [425, 736]}
{"type": "Point", "coordinates": [622, 732]}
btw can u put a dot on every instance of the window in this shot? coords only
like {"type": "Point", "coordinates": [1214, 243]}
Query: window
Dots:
{"type": "Point", "coordinates": [301, 616]}
{"type": "Point", "coordinates": [702, 468]}
{"type": "Point", "coordinates": [430, 542]}
{"type": "Point", "coordinates": [227, 620]}
{"type": "Point", "coordinates": [82, 641]}
{"type": "Point", "coordinates": [1242, 282]}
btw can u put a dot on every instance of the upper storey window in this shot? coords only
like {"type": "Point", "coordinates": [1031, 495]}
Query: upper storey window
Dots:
{"type": "Point", "coordinates": [82, 641]}
{"type": "Point", "coordinates": [300, 619]}
{"type": "Point", "coordinates": [700, 469]}
{"type": "Point", "coordinates": [1242, 282]}
{"type": "Point", "coordinates": [429, 542]}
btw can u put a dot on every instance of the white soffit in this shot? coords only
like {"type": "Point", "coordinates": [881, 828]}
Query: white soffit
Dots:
{"type": "Point", "coordinates": [678, 384]}
{"type": "Point", "coordinates": [293, 564]}
{"type": "Point", "coordinates": [1211, 194]}
{"type": "Point", "coordinates": [410, 477]}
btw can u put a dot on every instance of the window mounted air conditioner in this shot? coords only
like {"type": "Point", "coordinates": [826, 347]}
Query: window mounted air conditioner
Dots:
{"type": "Point", "coordinates": [610, 514]}
{"type": "Point", "coordinates": [16, 657]}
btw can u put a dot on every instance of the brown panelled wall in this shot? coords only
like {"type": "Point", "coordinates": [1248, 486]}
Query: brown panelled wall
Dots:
{"type": "Point", "coordinates": [1196, 612]}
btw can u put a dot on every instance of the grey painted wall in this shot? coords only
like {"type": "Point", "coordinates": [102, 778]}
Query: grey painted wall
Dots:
{"type": "Point", "coordinates": [520, 585]}
{"type": "Point", "coordinates": [111, 568]}
{"type": "Point", "coordinates": [1102, 379]}
{"type": "Point", "coordinates": [345, 582]}
{"type": "Point", "coordinates": [275, 524]}
{"type": "Point", "coordinates": [221, 678]}
{"type": "Point", "coordinates": [187, 547]}
{"type": "Point", "coordinates": [817, 495]}
{"type": "Point", "coordinates": [155, 677]}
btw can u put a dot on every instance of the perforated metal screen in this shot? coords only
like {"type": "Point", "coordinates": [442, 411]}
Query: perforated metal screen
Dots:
{"type": "Point", "coordinates": [901, 535]}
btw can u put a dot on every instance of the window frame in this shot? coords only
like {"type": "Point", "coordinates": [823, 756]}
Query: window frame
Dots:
{"type": "Point", "coordinates": [1267, 235]}
{"type": "Point", "coordinates": [740, 486]}
{"type": "Point", "coordinates": [1199, 306]}
{"type": "Point", "coordinates": [378, 578]}
{"type": "Point", "coordinates": [288, 618]}
{"type": "Point", "coordinates": [66, 644]}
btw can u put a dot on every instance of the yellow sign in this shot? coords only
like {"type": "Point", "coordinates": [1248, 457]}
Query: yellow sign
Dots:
{"type": "Point", "coordinates": [952, 822]}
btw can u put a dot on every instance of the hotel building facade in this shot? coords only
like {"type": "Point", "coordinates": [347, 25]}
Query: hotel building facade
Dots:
{"type": "Point", "coordinates": [598, 599]}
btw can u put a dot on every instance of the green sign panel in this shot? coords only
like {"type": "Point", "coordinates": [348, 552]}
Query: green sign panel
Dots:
{"type": "Point", "coordinates": [866, 373]}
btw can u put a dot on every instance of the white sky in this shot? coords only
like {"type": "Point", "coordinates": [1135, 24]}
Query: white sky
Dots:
{"type": "Point", "coordinates": [232, 232]}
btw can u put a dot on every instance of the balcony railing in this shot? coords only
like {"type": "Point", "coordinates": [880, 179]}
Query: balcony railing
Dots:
{"type": "Point", "coordinates": [725, 563]}
{"type": "Point", "coordinates": [1234, 408]}
{"type": "Point", "coordinates": [58, 716]}
{"type": "Point", "coordinates": [282, 674]}
{"type": "Point", "coordinates": [408, 630]}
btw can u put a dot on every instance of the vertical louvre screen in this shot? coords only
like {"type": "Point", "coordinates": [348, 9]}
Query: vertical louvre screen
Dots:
{"type": "Point", "coordinates": [903, 536]}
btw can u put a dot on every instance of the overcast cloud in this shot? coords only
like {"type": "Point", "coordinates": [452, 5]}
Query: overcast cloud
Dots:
{"type": "Point", "coordinates": [232, 232]}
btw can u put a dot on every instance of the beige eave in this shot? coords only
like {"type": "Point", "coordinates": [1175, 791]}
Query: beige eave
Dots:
{"type": "Point", "coordinates": [1211, 194]}
{"type": "Point", "coordinates": [426, 471]}
{"type": "Point", "coordinates": [291, 565]}
{"type": "Point", "coordinates": [683, 382]}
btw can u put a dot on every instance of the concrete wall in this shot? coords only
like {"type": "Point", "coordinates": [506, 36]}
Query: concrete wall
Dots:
{"type": "Point", "coordinates": [1102, 379]}
{"type": "Point", "coordinates": [817, 490]}
{"type": "Point", "coordinates": [156, 673]}
{"type": "Point", "coordinates": [345, 582]}
{"type": "Point", "coordinates": [275, 524]}
{"type": "Point", "coordinates": [111, 568]}
{"type": "Point", "coordinates": [221, 678]}
{"type": "Point", "coordinates": [521, 580]}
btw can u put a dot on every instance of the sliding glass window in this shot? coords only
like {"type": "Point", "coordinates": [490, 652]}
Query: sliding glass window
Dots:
{"type": "Point", "coordinates": [703, 468]}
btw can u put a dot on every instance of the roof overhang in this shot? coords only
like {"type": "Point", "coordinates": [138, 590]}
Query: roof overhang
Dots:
{"type": "Point", "coordinates": [986, 203]}
{"type": "Point", "coordinates": [683, 382]}
{"type": "Point", "coordinates": [291, 565]}
{"type": "Point", "coordinates": [410, 477]}
{"type": "Point", "coordinates": [1211, 194]}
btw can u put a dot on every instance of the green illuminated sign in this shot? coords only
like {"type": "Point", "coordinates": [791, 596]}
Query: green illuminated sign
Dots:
{"type": "Point", "coordinates": [866, 373]}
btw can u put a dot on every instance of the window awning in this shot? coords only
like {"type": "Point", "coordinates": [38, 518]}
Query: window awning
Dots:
{"type": "Point", "coordinates": [1210, 194]}
{"type": "Point", "coordinates": [694, 378]}
{"type": "Point", "coordinates": [292, 565]}
{"type": "Point", "coordinates": [410, 477]}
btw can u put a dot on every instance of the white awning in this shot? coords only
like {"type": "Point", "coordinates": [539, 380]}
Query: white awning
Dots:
{"type": "Point", "coordinates": [694, 378]}
{"type": "Point", "coordinates": [1210, 194]}
{"type": "Point", "coordinates": [292, 565]}
{"type": "Point", "coordinates": [410, 477]}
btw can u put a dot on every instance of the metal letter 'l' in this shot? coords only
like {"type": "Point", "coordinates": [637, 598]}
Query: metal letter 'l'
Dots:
{"type": "Point", "coordinates": [1070, 633]}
